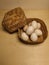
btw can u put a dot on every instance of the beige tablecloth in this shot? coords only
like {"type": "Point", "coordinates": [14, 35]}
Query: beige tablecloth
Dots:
{"type": "Point", "coordinates": [14, 52]}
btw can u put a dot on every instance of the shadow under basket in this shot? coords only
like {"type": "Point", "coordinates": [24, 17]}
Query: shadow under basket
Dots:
{"type": "Point", "coordinates": [41, 38]}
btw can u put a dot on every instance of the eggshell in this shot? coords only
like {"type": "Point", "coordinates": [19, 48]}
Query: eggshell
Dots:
{"type": "Point", "coordinates": [30, 30]}
{"type": "Point", "coordinates": [38, 32]}
{"type": "Point", "coordinates": [38, 25]}
{"type": "Point", "coordinates": [24, 36]}
{"type": "Point", "coordinates": [25, 27]}
{"type": "Point", "coordinates": [34, 37]}
{"type": "Point", "coordinates": [34, 24]}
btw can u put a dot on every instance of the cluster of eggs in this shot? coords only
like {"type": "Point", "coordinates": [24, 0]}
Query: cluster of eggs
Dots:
{"type": "Point", "coordinates": [32, 31]}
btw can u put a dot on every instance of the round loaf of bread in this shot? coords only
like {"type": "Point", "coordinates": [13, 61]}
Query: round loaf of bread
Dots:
{"type": "Point", "coordinates": [14, 19]}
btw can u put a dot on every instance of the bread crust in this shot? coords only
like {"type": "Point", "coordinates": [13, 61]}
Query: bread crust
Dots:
{"type": "Point", "coordinates": [14, 19]}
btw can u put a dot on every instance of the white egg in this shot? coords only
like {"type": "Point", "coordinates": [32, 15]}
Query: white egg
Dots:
{"type": "Point", "coordinates": [25, 27]}
{"type": "Point", "coordinates": [34, 24]}
{"type": "Point", "coordinates": [38, 32]}
{"type": "Point", "coordinates": [34, 37]}
{"type": "Point", "coordinates": [38, 25]}
{"type": "Point", "coordinates": [24, 36]}
{"type": "Point", "coordinates": [29, 30]}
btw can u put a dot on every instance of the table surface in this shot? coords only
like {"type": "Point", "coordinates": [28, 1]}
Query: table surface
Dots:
{"type": "Point", "coordinates": [14, 52]}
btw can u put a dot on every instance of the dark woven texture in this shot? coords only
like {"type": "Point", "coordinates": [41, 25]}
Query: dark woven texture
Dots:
{"type": "Point", "coordinates": [43, 28]}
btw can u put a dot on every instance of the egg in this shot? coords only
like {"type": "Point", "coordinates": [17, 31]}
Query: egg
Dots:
{"type": "Point", "coordinates": [25, 27]}
{"type": "Point", "coordinates": [34, 37]}
{"type": "Point", "coordinates": [38, 32]}
{"type": "Point", "coordinates": [24, 36]}
{"type": "Point", "coordinates": [38, 25]}
{"type": "Point", "coordinates": [29, 30]}
{"type": "Point", "coordinates": [34, 24]}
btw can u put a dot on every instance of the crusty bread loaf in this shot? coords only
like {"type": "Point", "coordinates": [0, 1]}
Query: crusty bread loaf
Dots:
{"type": "Point", "coordinates": [14, 19]}
{"type": "Point", "coordinates": [43, 28]}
